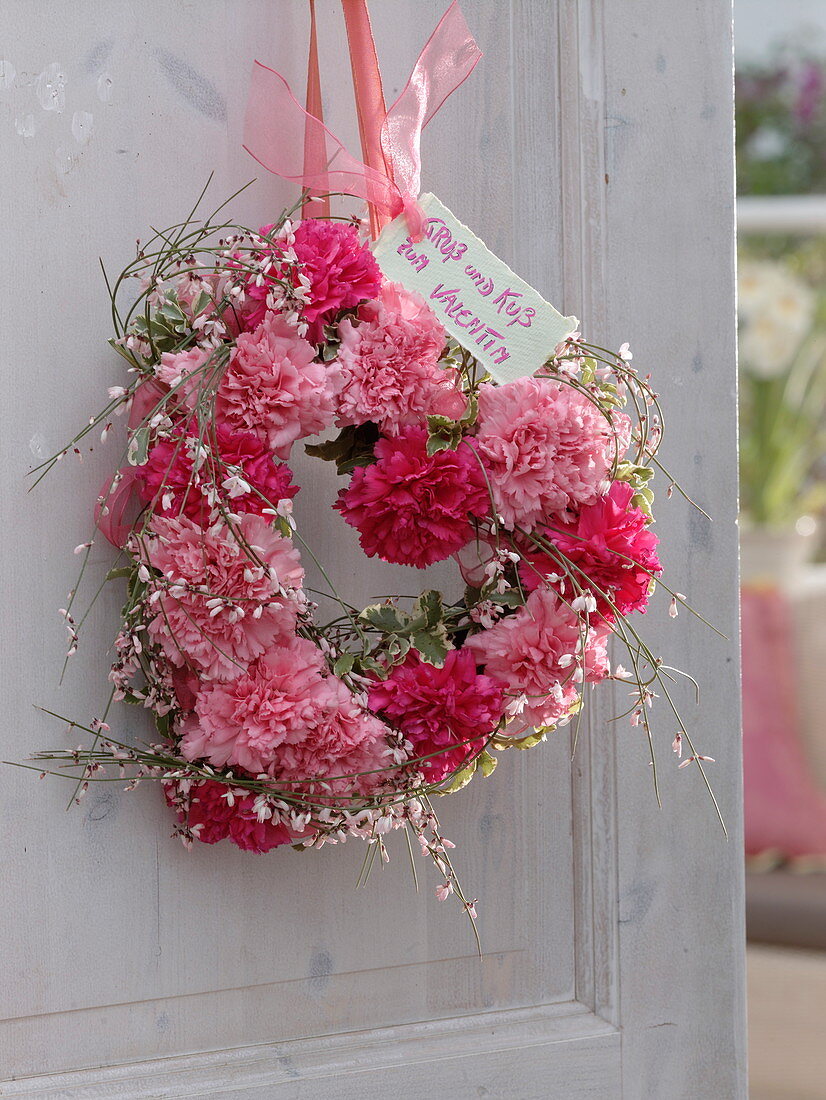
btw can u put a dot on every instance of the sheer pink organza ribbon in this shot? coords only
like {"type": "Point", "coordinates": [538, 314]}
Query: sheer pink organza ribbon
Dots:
{"type": "Point", "coordinates": [278, 129]}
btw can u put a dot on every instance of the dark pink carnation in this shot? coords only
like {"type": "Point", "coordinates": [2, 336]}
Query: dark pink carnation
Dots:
{"type": "Point", "coordinates": [413, 508]}
{"type": "Point", "coordinates": [212, 817]}
{"type": "Point", "coordinates": [251, 835]}
{"type": "Point", "coordinates": [251, 308]}
{"type": "Point", "coordinates": [342, 271]}
{"type": "Point", "coordinates": [612, 549]}
{"type": "Point", "coordinates": [448, 711]}
{"type": "Point", "coordinates": [171, 487]}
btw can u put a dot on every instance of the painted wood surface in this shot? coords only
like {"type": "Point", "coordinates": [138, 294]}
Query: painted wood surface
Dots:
{"type": "Point", "coordinates": [592, 151]}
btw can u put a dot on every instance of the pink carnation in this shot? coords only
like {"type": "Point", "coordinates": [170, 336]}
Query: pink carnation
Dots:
{"type": "Point", "coordinates": [612, 549]}
{"type": "Point", "coordinates": [390, 364]}
{"type": "Point", "coordinates": [286, 716]}
{"type": "Point", "coordinates": [202, 565]}
{"type": "Point", "coordinates": [273, 387]}
{"type": "Point", "coordinates": [250, 834]}
{"type": "Point", "coordinates": [447, 711]}
{"type": "Point", "coordinates": [546, 446]}
{"type": "Point", "coordinates": [413, 508]}
{"type": "Point", "coordinates": [176, 367]}
{"type": "Point", "coordinates": [342, 271]}
{"type": "Point", "coordinates": [171, 487]}
{"type": "Point", "coordinates": [534, 652]}
{"type": "Point", "coordinates": [345, 746]}
{"type": "Point", "coordinates": [245, 721]}
{"type": "Point", "coordinates": [212, 818]}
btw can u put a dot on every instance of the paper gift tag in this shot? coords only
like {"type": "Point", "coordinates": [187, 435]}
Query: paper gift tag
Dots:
{"type": "Point", "coordinates": [497, 316]}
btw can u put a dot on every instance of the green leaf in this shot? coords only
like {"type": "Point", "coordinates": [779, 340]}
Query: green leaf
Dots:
{"type": "Point", "coordinates": [643, 499]}
{"type": "Point", "coordinates": [446, 434]}
{"type": "Point", "coordinates": [501, 743]}
{"type": "Point", "coordinates": [162, 723]}
{"type": "Point", "coordinates": [171, 311]}
{"type": "Point", "coordinates": [138, 447]}
{"type": "Point", "coordinates": [201, 303]}
{"type": "Point", "coordinates": [352, 447]}
{"type": "Point", "coordinates": [506, 599]}
{"type": "Point", "coordinates": [370, 664]}
{"type": "Point", "coordinates": [397, 647]}
{"type": "Point", "coordinates": [460, 779]}
{"type": "Point", "coordinates": [443, 442]}
{"type": "Point", "coordinates": [385, 617]}
{"type": "Point", "coordinates": [429, 607]}
{"type": "Point", "coordinates": [486, 763]}
{"type": "Point", "coordinates": [344, 664]}
{"type": "Point", "coordinates": [432, 645]}
{"type": "Point", "coordinates": [117, 574]}
{"type": "Point", "coordinates": [628, 471]}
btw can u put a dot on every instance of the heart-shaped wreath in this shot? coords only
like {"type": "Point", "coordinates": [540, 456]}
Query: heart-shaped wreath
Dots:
{"type": "Point", "coordinates": [276, 728]}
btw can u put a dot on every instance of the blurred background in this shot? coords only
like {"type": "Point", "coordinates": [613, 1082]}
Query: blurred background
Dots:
{"type": "Point", "coordinates": [780, 54]}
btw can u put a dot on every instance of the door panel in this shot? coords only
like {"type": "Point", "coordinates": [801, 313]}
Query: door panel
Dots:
{"type": "Point", "coordinates": [589, 154]}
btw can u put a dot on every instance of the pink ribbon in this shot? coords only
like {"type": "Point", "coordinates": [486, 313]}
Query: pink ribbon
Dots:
{"type": "Point", "coordinates": [277, 128]}
{"type": "Point", "coordinates": [314, 151]}
{"type": "Point", "coordinates": [369, 93]}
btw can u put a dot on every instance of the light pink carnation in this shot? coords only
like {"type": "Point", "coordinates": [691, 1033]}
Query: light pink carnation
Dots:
{"type": "Point", "coordinates": [175, 369]}
{"type": "Point", "coordinates": [286, 716]}
{"type": "Point", "coordinates": [342, 741]}
{"type": "Point", "coordinates": [245, 721]}
{"type": "Point", "coordinates": [202, 565]}
{"type": "Point", "coordinates": [534, 651]}
{"type": "Point", "coordinates": [546, 447]}
{"type": "Point", "coordinates": [390, 364]}
{"type": "Point", "coordinates": [273, 387]}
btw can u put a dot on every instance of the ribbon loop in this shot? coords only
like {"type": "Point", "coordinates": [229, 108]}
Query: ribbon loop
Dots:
{"type": "Point", "coordinates": [390, 182]}
{"type": "Point", "coordinates": [447, 60]}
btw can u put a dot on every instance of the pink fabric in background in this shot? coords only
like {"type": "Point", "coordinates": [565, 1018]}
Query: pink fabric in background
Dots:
{"type": "Point", "coordinates": [784, 811]}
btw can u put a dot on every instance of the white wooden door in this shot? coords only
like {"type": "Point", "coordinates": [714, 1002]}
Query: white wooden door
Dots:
{"type": "Point", "coordinates": [592, 149]}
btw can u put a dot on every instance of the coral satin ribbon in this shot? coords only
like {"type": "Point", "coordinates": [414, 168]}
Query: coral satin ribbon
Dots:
{"type": "Point", "coordinates": [369, 94]}
{"type": "Point", "coordinates": [277, 126]}
{"type": "Point", "coordinates": [315, 154]}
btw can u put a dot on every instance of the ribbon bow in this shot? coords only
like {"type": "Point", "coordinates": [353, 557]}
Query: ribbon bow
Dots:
{"type": "Point", "coordinates": [391, 140]}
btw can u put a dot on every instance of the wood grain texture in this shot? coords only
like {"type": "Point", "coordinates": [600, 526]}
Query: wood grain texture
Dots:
{"type": "Point", "coordinates": [499, 1055]}
{"type": "Point", "coordinates": [669, 249]}
{"type": "Point", "coordinates": [597, 910]}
